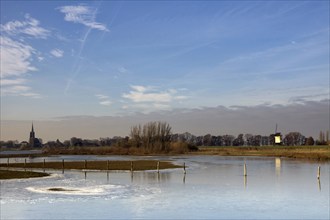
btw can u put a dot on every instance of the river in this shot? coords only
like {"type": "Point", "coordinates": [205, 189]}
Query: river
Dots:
{"type": "Point", "coordinates": [213, 187]}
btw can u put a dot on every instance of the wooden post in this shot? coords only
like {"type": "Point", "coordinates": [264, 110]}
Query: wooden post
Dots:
{"type": "Point", "coordinates": [319, 172]}
{"type": "Point", "coordinates": [158, 166]}
{"type": "Point", "coordinates": [131, 166]}
{"type": "Point", "coordinates": [245, 171]}
{"type": "Point", "coordinates": [62, 165]}
{"type": "Point", "coordinates": [25, 163]}
{"type": "Point", "coordinates": [184, 168]}
{"type": "Point", "coordinates": [108, 165]}
{"type": "Point", "coordinates": [85, 167]}
{"type": "Point", "coordinates": [44, 164]}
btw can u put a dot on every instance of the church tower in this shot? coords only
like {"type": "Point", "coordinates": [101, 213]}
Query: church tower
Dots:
{"type": "Point", "coordinates": [32, 137]}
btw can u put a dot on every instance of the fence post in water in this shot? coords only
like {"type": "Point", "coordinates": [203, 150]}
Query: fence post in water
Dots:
{"type": "Point", "coordinates": [158, 166]}
{"type": "Point", "coordinates": [245, 171]}
{"type": "Point", "coordinates": [131, 166]}
{"type": "Point", "coordinates": [44, 164]}
{"type": "Point", "coordinates": [108, 165]}
{"type": "Point", "coordinates": [319, 172]}
{"type": "Point", "coordinates": [25, 164]}
{"type": "Point", "coordinates": [184, 168]}
{"type": "Point", "coordinates": [85, 167]}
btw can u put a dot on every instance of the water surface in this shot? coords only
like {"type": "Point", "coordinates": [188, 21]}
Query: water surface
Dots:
{"type": "Point", "coordinates": [214, 187]}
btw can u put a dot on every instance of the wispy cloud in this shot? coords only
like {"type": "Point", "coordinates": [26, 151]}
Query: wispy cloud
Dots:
{"type": "Point", "coordinates": [149, 98]}
{"type": "Point", "coordinates": [17, 55]}
{"type": "Point", "coordinates": [103, 99]}
{"type": "Point", "coordinates": [83, 15]}
{"type": "Point", "coordinates": [9, 82]}
{"type": "Point", "coordinates": [147, 94]}
{"type": "Point", "coordinates": [122, 69]}
{"type": "Point", "coordinates": [15, 58]}
{"type": "Point", "coordinates": [19, 90]}
{"type": "Point", "coordinates": [280, 58]}
{"type": "Point", "coordinates": [30, 26]}
{"type": "Point", "coordinates": [57, 53]}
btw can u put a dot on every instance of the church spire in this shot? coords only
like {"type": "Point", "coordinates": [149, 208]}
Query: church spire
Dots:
{"type": "Point", "coordinates": [32, 134]}
{"type": "Point", "coordinates": [32, 139]}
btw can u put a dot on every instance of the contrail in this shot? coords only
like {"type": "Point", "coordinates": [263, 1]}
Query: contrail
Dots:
{"type": "Point", "coordinates": [77, 64]}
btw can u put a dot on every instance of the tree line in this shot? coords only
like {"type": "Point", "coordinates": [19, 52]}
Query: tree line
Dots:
{"type": "Point", "coordinates": [158, 137]}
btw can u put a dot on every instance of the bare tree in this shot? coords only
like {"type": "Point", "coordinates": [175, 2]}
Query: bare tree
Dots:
{"type": "Point", "coordinates": [136, 136]}
{"type": "Point", "coordinates": [153, 136]}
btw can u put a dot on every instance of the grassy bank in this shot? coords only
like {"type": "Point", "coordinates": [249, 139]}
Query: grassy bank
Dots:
{"type": "Point", "coordinates": [96, 165]}
{"type": "Point", "coordinates": [12, 174]}
{"type": "Point", "coordinates": [299, 152]}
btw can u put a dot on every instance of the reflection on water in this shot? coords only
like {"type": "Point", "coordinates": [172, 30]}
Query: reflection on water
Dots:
{"type": "Point", "coordinates": [278, 166]}
{"type": "Point", "coordinates": [11, 152]}
{"type": "Point", "coordinates": [211, 188]}
{"type": "Point", "coordinates": [140, 177]}
{"type": "Point", "coordinates": [245, 182]}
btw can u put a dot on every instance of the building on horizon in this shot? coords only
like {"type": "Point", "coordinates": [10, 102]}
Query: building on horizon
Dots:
{"type": "Point", "coordinates": [278, 137]}
{"type": "Point", "coordinates": [33, 141]}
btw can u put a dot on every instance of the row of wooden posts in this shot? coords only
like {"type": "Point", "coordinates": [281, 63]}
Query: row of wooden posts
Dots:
{"type": "Point", "coordinates": [108, 165]}
{"type": "Point", "coordinates": [132, 167]}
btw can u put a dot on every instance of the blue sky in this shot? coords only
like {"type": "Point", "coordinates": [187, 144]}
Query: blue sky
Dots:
{"type": "Point", "coordinates": [118, 58]}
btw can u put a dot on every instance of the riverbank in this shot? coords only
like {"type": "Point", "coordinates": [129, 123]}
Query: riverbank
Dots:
{"type": "Point", "coordinates": [297, 152]}
{"type": "Point", "coordinates": [321, 153]}
{"type": "Point", "coordinates": [13, 174]}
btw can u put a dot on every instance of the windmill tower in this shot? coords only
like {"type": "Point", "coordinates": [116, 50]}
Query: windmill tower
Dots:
{"type": "Point", "coordinates": [278, 137]}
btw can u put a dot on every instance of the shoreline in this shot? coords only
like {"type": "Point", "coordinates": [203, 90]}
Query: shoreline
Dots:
{"type": "Point", "coordinates": [312, 153]}
{"type": "Point", "coordinates": [319, 153]}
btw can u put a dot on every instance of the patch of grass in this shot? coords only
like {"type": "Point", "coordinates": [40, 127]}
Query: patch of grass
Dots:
{"type": "Point", "coordinates": [299, 152]}
{"type": "Point", "coordinates": [97, 165]}
{"type": "Point", "coordinates": [11, 174]}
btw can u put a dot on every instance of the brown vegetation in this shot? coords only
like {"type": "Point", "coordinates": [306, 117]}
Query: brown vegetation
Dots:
{"type": "Point", "coordinates": [299, 152]}
{"type": "Point", "coordinates": [96, 165]}
{"type": "Point", "coordinates": [11, 174]}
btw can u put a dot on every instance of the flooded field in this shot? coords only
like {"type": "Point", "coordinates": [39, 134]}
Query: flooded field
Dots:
{"type": "Point", "coordinates": [213, 187]}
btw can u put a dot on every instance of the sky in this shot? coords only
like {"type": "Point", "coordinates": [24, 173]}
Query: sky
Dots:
{"type": "Point", "coordinates": [77, 65]}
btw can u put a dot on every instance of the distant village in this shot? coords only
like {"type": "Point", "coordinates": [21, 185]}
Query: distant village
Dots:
{"type": "Point", "coordinates": [147, 136]}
